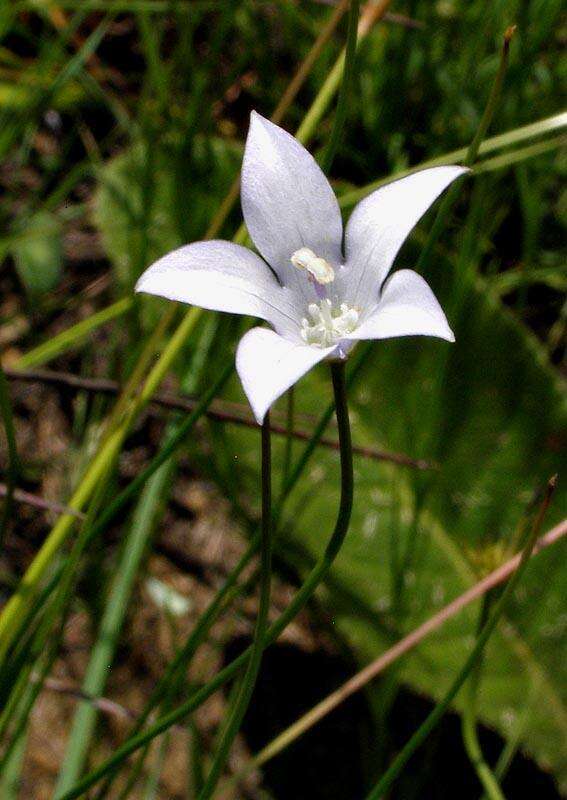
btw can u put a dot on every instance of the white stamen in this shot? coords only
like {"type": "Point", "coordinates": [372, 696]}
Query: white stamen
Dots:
{"type": "Point", "coordinates": [318, 269]}
{"type": "Point", "coordinates": [329, 325]}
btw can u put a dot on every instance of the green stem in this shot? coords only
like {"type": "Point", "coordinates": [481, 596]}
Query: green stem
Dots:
{"type": "Point", "coordinates": [45, 643]}
{"type": "Point", "coordinates": [512, 745]}
{"type": "Point", "coordinates": [231, 589]}
{"type": "Point", "coordinates": [315, 577]}
{"type": "Point", "coordinates": [11, 778]}
{"type": "Point", "coordinates": [13, 464]}
{"type": "Point", "coordinates": [244, 694]}
{"type": "Point", "coordinates": [493, 99]}
{"type": "Point", "coordinates": [472, 152]}
{"type": "Point", "coordinates": [168, 682]}
{"type": "Point", "coordinates": [142, 526]}
{"type": "Point", "coordinates": [348, 73]}
{"type": "Point", "coordinates": [437, 714]}
{"type": "Point", "coordinates": [288, 447]}
{"type": "Point", "coordinates": [73, 335]}
{"type": "Point", "coordinates": [358, 363]}
{"type": "Point", "coordinates": [469, 725]}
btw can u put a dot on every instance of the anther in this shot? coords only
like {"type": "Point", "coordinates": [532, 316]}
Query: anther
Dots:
{"type": "Point", "coordinates": [318, 269]}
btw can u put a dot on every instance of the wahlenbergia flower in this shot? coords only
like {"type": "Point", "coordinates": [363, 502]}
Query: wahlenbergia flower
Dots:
{"type": "Point", "coordinates": [318, 299]}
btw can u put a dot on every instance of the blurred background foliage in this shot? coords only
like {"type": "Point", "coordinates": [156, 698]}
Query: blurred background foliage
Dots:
{"type": "Point", "coordinates": [121, 130]}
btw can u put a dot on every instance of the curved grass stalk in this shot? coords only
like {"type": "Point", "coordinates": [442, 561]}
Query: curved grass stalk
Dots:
{"type": "Point", "coordinates": [230, 590]}
{"type": "Point", "coordinates": [346, 85]}
{"type": "Point", "coordinates": [521, 154]}
{"type": "Point", "coordinates": [10, 781]}
{"type": "Point", "coordinates": [103, 652]}
{"type": "Point", "coordinates": [373, 12]}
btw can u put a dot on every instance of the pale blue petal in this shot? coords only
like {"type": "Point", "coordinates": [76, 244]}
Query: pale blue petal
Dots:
{"type": "Point", "coordinates": [268, 365]}
{"type": "Point", "coordinates": [287, 203]}
{"type": "Point", "coordinates": [222, 276]}
{"type": "Point", "coordinates": [379, 226]}
{"type": "Point", "coordinates": [407, 307]}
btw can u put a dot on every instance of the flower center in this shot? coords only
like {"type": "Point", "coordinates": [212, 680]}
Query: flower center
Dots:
{"type": "Point", "coordinates": [327, 324]}
{"type": "Point", "coordinates": [319, 270]}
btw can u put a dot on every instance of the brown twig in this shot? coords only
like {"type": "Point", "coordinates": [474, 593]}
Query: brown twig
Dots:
{"type": "Point", "coordinates": [29, 499]}
{"type": "Point", "coordinates": [104, 704]}
{"type": "Point", "coordinates": [218, 410]}
{"type": "Point", "coordinates": [389, 16]}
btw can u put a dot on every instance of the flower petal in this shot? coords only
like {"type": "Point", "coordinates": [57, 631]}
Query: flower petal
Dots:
{"type": "Point", "coordinates": [381, 222]}
{"type": "Point", "coordinates": [222, 276]}
{"type": "Point", "coordinates": [407, 307]}
{"type": "Point", "coordinates": [268, 364]}
{"type": "Point", "coordinates": [287, 202]}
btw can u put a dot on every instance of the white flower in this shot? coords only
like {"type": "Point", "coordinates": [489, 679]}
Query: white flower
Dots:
{"type": "Point", "coordinates": [318, 300]}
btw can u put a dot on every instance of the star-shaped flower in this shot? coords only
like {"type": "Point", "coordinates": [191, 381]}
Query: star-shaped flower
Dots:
{"type": "Point", "coordinates": [318, 298]}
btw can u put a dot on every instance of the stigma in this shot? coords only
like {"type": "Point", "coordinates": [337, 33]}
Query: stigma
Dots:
{"type": "Point", "coordinates": [319, 270]}
{"type": "Point", "coordinates": [327, 324]}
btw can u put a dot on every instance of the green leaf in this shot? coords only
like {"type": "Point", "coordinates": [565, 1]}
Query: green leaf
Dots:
{"type": "Point", "coordinates": [38, 253]}
{"type": "Point", "coordinates": [491, 411]}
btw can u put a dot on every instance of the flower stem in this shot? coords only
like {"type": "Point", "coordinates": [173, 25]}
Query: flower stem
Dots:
{"type": "Point", "coordinates": [244, 692]}
{"type": "Point", "coordinates": [290, 413]}
{"type": "Point", "coordinates": [231, 588]}
{"type": "Point", "coordinates": [315, 577]}
{"type": "Point", "coordinates": [437, 714]}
